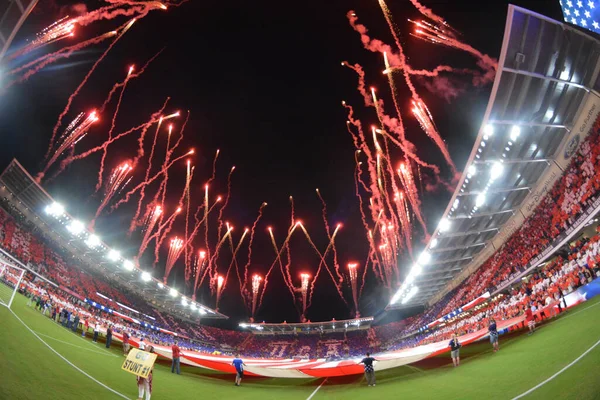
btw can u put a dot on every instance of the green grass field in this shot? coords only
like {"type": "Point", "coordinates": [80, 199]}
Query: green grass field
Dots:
{"type": "Point", "coordinates": [30, 370]}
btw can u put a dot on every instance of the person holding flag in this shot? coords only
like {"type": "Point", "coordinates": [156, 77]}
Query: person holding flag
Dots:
{"type": "Point", "coordinates": [239, 368]}
{"type": "Point", "coordinates": [455, 350]}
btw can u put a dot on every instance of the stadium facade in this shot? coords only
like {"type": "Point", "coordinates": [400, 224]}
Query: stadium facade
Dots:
{"type": "Point", "coordinates": [543, 104]}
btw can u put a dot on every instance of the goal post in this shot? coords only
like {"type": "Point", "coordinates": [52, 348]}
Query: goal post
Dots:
{"type": "Point", "coordinates": [10, 280]}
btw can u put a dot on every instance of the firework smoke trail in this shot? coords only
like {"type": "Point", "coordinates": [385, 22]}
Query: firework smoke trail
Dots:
{"type": "Point", "coordinates": [485, 62]}
{"type": "Point", "coordinates": [187, 217]}
{"type": "Point", "coordinates": [407, 179]}
{"type": "Point", "coordinates": [104, 145]}
{"type": "Point", "coordinates": [116, 9]}
{"type": "Point", "coordinates": [322, 263]}
{"type": "Point", "coordinates": [198, 270]}
{"type": "Point", "coordinates": [278, 253]}
{"type": "Point", "coordinates": [398, 60]}
{"type": "Point", "coordinates": [206, 243]}
{"type": "Point", "coordinates": [227, 196]}
{"type": "Point", "coordinates": [53, 57]}
{"type": "Point", "coordinates": [338, 285]}
{"type": "Point", "coordinates": [394, 124]}
{"type": "Point", "coordinates": [220, 281]}
{"type": "Point", "coordinates": [156, 234]}
{"type": "Point", "coordinates": [256, 280]}
{"type": "Point", "coordinates": [151, 221]}
{"type": "Point", "coordinates": [175, 249]}
{"type": "Point", "coordinates": [162, 189]}
{"type": "Point", "coordinates": [252, 231]}
{"type": "Point", "coordinates": [112, 127]}
{"type": "Point", "coordinates": [191, 238]}
{"type": "Point", "coordinates": [234, 254]}
{"type": "Point", "coordinates": [375, 200]}
{"type": "Point", "coordinates": [83, 82]}
{"type": "Point", "coordinates": [118, 180]}
{"type": "Point", "coordinates": [335, 257]}
{"type": "Point", "coordinates": [59, 30]}
{"type": "Point", "coordinates": [160, 173]}
{"type": "Point", "coordinates": [131, 75]}
{"type": "Point", "coordinates": [74, 132]}
{"type": "Point", "coordinates": [304, 290]}
{"type": "Point", "coordinates": [167, 230]}
{"type": "Point", "coordinates": [213, 261]}
{"type": "Point", "coordinates": [353, 283]}
{"type": "Point", "coordinates": [134, 220]}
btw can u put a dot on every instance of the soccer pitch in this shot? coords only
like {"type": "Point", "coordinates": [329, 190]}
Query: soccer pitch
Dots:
{"type": "Point", "coordinates": [32, 370]}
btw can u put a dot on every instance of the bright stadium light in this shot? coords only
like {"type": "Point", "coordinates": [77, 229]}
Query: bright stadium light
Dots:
{"type": "Point", "coordinates": [410, 294]}
{"type": "Point", "coordinates": [128, 265]}
{"type": "Point", "coordinates": [160, 285]}
{"type": "Point", "coordinates": [193, 306]}
{"type": "Point", "coordinates": [184, 301]}
{"type": "Point", "coordinates": [433, 243]}
{"type": "Point", "coordinates": [472, 170]}
{"type": "Point", "coordinates": [92, 241]}
{"type": "Point", "coordinates": [146, 277]}
{"type": "Point", "coordinates": [424, 258]}
{"type": "Point", "coordinates": [416, 270]}
{"type": "Point", "coordinates": [488, 130]}
{"type": "Point", "coordinates": [496, 171]}
{"type": "Point", "coordinates": [173, 292]}
{"type": "Point", "coordinates": [55, 209]}
{"type": "Point", "coordinates": [480, 200]}
{"type": "Point", "coordinates": [444, 225]}
{"type": "Point", "coordinates": [515, 132]}
{"type": "Point", "coordinates": [113, 255]}
{"type": "Point", "coordinates": [76, 227]}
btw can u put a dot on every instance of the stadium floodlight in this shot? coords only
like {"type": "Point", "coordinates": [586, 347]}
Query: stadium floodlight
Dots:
{"type": "Point", "coordinates": [456, 203]}
{"type": "Point", "coordinates": [202, 311]}
{"type": "Point", "coordinates": [146, 277]}
{"type": "Point", "coordinates": [410, 294]}
{"type": "Point", "coordinates": [444, 225]}
{"type": "Point", "coordinates": [55, 209]}
{"type": "Point", "coordinates": [92, 241]}
{"type": "Point", "coordinates": [396, 297]}
{"type": "Point", "coordinates": [515, 132]}
{"type": "Point", "coordinates": [416, 270]}
{"type": "Point", "coordinates": [433, 243]}
{"type": "Point", "coordinates": [472, 170]}
{"type": "Point", "coordinates": [424, 258]}
{"type": "Point", "coordinates": [480, 200]}
{"type": "Point", "coordinates": [113, 255]}
{"type": "Point", "coordinates": [184, 301]}
{"type": "Point", "coordinates": [128, 265]}
{"type": "Point", "coordinates": [488, 130]}
{"type": "Point", "coordinates": [160, 285]}
{"type": "Point", "coordinates": [496, 171]}
{"type": "Point", "coordinates": [173, 292]}
{"type": "Point", "coordinates": [243, 325]}
{"type": "Point", "coordinates": [76, 227]}
{"type": "Point", "coordinates": [409, 279]}
{"type": "Point", "coordinates": [193, 306]}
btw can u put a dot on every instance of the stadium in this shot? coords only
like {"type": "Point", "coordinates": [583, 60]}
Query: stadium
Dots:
{"type": "Point", "coordinates": [496, 297]}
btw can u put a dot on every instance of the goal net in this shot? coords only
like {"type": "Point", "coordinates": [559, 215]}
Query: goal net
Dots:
{"type": "Point", "coordinates": [10, 279]}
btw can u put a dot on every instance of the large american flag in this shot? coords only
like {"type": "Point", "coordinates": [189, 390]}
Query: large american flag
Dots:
{"type": "Point", "coordinates": [584, 13]}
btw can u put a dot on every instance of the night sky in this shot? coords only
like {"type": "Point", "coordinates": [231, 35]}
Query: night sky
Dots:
{"type": "Point", "coordinates": [263, 83]}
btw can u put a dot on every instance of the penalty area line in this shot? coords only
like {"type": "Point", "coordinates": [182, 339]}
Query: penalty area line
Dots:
{"type": "Point", "coordinates": [102, 353]}
{"type": "Point", "coordinates": [539, 385]}
{"type": "Point", "coordinates": [67, 361]}
{"type": "Point", "coordinates": [317, 389]}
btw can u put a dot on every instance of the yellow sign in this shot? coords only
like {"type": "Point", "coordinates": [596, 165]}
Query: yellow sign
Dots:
{"type": "Point", "coordinates": [139, 362]}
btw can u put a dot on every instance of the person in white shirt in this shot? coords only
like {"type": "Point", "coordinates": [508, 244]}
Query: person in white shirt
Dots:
{"type": "Point", "coordinates": [96, 331]}
{"type": "Point", "coordinates": [142, 344]}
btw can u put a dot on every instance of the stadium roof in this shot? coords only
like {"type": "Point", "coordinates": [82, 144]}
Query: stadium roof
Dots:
{"type": "Point", "coordinates": [545, 74]}
{"type": "Point", "coordinates": [12, 16]}
{"type": "Point", "coordinates": [308, 327]}
{"type": "Point", "coordinates": [24, 193]}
